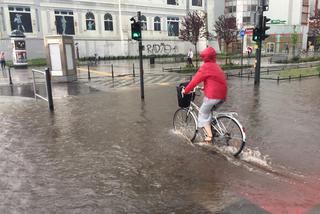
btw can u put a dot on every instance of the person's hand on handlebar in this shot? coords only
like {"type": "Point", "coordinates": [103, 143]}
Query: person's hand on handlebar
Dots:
{"type": "Point", "coordinates": [198, 88]}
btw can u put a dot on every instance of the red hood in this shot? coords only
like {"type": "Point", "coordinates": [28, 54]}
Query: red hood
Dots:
{"type": "Point", "coordinates": [208, 55]}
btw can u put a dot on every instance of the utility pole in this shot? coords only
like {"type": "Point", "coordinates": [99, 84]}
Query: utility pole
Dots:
{"type": "Point", "coordinates": [136, 35]}
{"type": "Point", "coordinates": [140, 60]}
{"type": "Point", "coordinates": [259, 34]}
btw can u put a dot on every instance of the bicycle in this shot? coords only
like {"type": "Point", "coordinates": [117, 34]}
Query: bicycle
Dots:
{"type": "Point", "coordinates": [228, 133]}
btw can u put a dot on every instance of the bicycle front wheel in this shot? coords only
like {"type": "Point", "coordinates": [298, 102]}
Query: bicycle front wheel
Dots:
{"type": "Point", "coordinates": [229, 135]}
{"type": "Point", "coordinates": [185, 123]}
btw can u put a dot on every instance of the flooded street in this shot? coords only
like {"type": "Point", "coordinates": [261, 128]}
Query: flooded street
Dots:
{"type": "Point", "coordinates": [108, 152]}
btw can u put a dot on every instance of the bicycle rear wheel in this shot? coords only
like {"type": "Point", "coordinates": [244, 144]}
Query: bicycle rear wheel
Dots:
{"type": "Point", "coordinates": [185, 123]}
{"type": "Point", "coordinates": [229, 137]}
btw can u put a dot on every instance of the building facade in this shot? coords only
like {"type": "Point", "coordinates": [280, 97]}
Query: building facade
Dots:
{"type": "Point", "coordinates": [287, 17]}
{"type": "Point", "coordinates": [100, 27]}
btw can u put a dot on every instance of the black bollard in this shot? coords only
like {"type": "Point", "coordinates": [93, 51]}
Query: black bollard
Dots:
{"type": "Point", "coordinates": [278, 79]}
{"type": "Point", "coordinates": [10, 79]}
{"type": "Point", "coordinates": [133, 71]}
{"type": "Point", "coordinates": [112, 73]}
{"type": "Point", "coordinates": [89, 76]}
{"type": "Point", "coordinates": [49, 89]}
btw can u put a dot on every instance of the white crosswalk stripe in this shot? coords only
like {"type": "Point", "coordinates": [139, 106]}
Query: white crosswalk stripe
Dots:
{"type": "Point", "coordinates": [120, 82]}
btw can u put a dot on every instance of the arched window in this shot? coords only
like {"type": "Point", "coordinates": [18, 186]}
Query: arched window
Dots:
{"type": "Point", "coordinates": [143, 22]}
{"type": "Point", "coordinates": [157, 23]}
{"type": "Point", "coordinates": [108, 23]}
{"type": "Point", "coordinates": [90, 21]}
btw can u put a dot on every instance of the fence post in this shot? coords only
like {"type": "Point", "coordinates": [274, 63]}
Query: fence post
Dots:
{"type": "Point", "coordinates": [9, 72]}
{"type": "Point", "coordinates": [49, 89]}
{"type": "Point", "coordinates": [300, 76]}
{"type": "Point", "coordinates": [89, 76]}
{"type": "Point", "coordinates": [133, 71]}
{"type": "Point", "coordinates": [112, 71]}
{"type": "Point", "coordinates": [289, 78]}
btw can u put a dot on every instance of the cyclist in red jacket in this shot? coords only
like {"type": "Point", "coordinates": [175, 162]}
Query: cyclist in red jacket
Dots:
{"type": "Point", "coordinates": [215, 88]}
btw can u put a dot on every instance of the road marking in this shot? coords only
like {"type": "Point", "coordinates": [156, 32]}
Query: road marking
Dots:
{"type": "Point", "coordinates": [99, 73]}
{"type": "Point", "coordinates": [164, 84]}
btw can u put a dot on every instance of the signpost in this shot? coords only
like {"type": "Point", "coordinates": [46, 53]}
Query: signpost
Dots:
{"type": "Point", "coordinates": [242, 34]}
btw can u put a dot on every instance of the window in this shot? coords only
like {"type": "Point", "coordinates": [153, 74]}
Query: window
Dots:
{"type": "Point", "coordinates": [231, 9]}
{"type": "Point", "coordinates": [173, 2]}
{"type": "Point", "coordinates": [64, 22]}
{"type": "Point", "coordinates": [90, 21]}
{"type": "Point", "coordinates": [246, 19]}
{"type": "Point", "coordinates": [20, 19]}
{"type": "Point", "coordinates": [108, 23]}
{"type": "Point", "coordinates": [173, 26]}
{"type": "Point", "coordinates": [157, 24]}
{"type": "Point", "coordinates": [197, 3]}
{"type": "Point", "coordinates": [144, 23]}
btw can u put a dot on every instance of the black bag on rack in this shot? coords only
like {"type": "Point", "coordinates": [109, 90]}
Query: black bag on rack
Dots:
{"type": "Point", "coordinates": [184, 101]}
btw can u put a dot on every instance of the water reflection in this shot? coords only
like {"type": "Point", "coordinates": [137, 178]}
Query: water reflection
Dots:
{"type": "Point", "coordinates": [108, 152]}
{"type": "Point", "coordinates": [112, 153]}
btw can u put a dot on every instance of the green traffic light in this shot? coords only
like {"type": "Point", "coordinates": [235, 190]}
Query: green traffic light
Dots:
{"type": "Point", "coordinates": [136, 31]}
{"type": "Point", "coordinates": [136, 35]}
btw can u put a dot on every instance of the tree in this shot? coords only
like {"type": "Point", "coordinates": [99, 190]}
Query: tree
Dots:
{"type": "Point", "coordinates": [226, 29]}
{"type": "Point", "coordinates": [314, 29]}
{"type": "Point", "coordinates": [294, 41]}
{"type": "Point", "coordinates": [194, 27]}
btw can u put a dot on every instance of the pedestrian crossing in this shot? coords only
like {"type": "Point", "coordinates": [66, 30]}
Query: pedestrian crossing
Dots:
{"type": "Point", "coordinates": [149, 80]}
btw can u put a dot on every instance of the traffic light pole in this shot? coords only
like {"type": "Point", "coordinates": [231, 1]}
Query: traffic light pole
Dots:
{"type": "Point", "coordinates": [258, 64]}
{"type": "Point", "coordinates": [258, 50]}
{"type": "Point", "coordinates": [241, 56]}
{"type": "Point", "coordinates": [141, 61]}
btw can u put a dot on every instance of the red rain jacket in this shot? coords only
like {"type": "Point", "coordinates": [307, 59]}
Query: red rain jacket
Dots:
{"type": "Point", "coordinates": [215, 84]}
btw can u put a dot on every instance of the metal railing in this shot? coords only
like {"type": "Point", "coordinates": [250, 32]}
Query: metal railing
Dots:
{"type": "Point", "coordinates": [47, 76]}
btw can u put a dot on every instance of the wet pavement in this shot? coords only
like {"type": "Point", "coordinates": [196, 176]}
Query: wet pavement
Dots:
{"type": "Point", "coordinates": [108, 152]}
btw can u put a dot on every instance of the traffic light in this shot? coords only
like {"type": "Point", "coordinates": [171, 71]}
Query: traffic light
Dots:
{"type": "Point", "coordinates": [136, 31]}
{"type": "Point", "coordinates": [264, 4]}
{"type": "Point", "coordinates": [256, 35]}
{"type": "Point", "coordinates": [264, 28]}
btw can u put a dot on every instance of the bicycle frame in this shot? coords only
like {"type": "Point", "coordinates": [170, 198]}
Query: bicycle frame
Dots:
{"type": "Point", "coordinates": [218, 127]}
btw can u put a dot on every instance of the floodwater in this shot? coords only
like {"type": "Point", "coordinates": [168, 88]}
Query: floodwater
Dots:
{"type": "Point", "coordinates": [108, 152]}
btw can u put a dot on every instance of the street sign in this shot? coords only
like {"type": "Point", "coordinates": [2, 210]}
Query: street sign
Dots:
{"type": "Point", "coordinates": [278, 21]}
{"type": "Point", "coordinates": [242, 33]}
